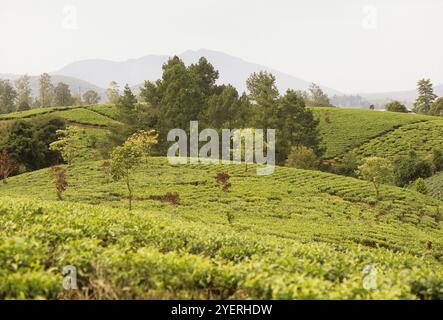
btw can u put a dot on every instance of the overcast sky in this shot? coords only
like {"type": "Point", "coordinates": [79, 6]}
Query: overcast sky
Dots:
{"type": "Point", "coordinates": [349, 45]}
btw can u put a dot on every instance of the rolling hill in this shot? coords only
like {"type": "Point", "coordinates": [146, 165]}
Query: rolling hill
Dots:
{"type": "Point", "coordinates": [343, 130]}
{"type": "Point", "coordinates": [296, 234]}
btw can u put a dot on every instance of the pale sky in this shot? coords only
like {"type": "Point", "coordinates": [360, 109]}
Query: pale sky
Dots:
{"type": "Point", "coordinates": [350, 45]}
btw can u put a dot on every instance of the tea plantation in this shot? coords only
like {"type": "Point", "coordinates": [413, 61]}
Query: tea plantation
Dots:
{"type": "Point", "coordinates": [345, 129]}
{"type": "Point", "coordinates": [295, 234]}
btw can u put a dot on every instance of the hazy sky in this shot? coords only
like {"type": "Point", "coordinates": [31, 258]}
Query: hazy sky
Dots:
{"type": "Point", "coordinates": [352, 46]}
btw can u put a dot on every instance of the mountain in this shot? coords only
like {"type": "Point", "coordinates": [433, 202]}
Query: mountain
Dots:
{"type": "Point", "coordinates": [232, 70]}
{"type": "Point", "coordinates": [76, 85]}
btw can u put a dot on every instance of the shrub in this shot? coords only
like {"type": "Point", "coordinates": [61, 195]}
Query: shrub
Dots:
{"type": "Point", "coordinates": [420, 186]}
{"type": "Point", "coordinates": [347, 166]}
{"type": "Point", "coordinates": [410, 168]}
{"type": "Point", "coordinates": [303, 158]}
{"type": "Point", "coordinates": [396, 106]}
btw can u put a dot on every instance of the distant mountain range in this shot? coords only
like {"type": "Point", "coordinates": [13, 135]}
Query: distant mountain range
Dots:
{"type": "Point", "coordinates": [96, 74]}
{"type": "Point", "coordinates": [134, 72]}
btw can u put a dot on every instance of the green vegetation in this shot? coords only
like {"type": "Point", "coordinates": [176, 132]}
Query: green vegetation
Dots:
{"type": "Point", "coordinates": [86, 117]}
{"type": "Point", "coordinates": [296, 234]}
{"type": "Point", "coordinates": [420, 137]}
{"type": "Point", "coordinates": [349, 128]}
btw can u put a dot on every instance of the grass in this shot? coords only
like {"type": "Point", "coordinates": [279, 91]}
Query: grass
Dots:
{"type": "Point", "coordinates": [296, 234]}
{"type": "Point", "coordinates": [350, 128]}
{"type": "Point", "coordinates": [33, 112]}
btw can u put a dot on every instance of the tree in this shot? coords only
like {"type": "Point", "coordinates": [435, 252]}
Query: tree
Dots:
{"type": "Point", "coordinates": [28, 142]}
{"type": "Point", "coordinates": [123, 161]}
{"type": "Point", "coordinates": [222, 180]}
{"type": "Point", "coordinates": [396, 106]}
{"type": "Point", "coordinates": [91, 97]}
{"type": "Point", "coordinates": [348, 165]}
{"type": "Point", "coordinates": [420, 186]}
{"type": "Point", "coordinates": [68, 143]}
{"type": "Point", "coordinates": [24, 91]}
{"type": "Point", "coordinates": [62, 95]}
{"type": "Point", "coordinates": [376, 170]}
{"type": "Point", "coordinates": [317, 98]}
{"type": "Point", "coordinates": [297, 126]}
{"type": "Point", "coordinates": [7, 165]}
{"type": "Point", "coordinates": [60, 181]}
{"type": "Point", "coordinates": [144, 141]}
{"type": "Point", "coordinates": [409, 168]}
{"type": "Point", "coordinates": [437, 107]}
{"type": "Point", "coordinates": [113, 92]}
{"type": "Point", "coordinates": [46, 91]}
{"type": "Point", "coordinates": [264, 95]}
{"type": "Point", "coordinates": [223, 109]}
{"type": "Point", "coordinates": [437, 160]}
{"type": "Point", "coordinates": [303, 158]}
{"type": "Point", "coordinates": [7, 97]}
{"type": "Point", "coordinates": [425, 96]}
{"type": "Point", "coordinates": [126, 106]}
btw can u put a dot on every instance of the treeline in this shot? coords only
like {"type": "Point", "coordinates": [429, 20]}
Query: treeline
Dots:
{"type": "Point", "coordinates": [186, 93]}
{"type": "Point", "coordinates": [17, 96]}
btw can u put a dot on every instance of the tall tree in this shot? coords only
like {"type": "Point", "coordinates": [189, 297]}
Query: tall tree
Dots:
{"type": "Point", "coordinates": [24, 91]}
{"type": "Point", "coordinates": [46, 91]}
{"type": "Point", "coordinates": [425, 97]}
{"type": "Point", "coordinates": [62, 95]}
{"type": "Point", "coordinates": [437, 107]}
{"type": "Point", "coordinates": [113, 92]}
{"type": "Point", "coordinates": [296, 126]}
{"type": "Point", "coordinates": [8, 96]}
{"type": "Point", "coordinates": [91, 97]}
{"type": "Point", "coordinates": [317, 97]}
{"type": "Point", "coordinates": [264, 95]}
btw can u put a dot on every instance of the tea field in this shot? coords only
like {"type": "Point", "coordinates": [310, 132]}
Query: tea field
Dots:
{"type": "Point", "coordinates": [295, 234]}
{"type": "Point", "coordinates": [345, 129]}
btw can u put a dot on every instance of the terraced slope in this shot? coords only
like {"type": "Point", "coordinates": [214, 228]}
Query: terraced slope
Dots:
{"type": "Point", "coordinates": [421, 137]}
{"type": "Point", "coordinates": [350, 128]}
{"type": "Point", "coordinates": [296, 234]}
{"type": "Point", "coordinates": [96, 115]}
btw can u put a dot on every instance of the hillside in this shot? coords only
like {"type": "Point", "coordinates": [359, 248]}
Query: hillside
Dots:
{"type": "Point", "coordinates": [296, 234]}
{"type": "Point", "coordinates": [351, 128]}
{"type": "Point", "coordinates": [95, 115]}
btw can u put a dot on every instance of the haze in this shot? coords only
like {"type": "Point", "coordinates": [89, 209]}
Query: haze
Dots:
{"type": "Point", "coordinates": [353, 46]}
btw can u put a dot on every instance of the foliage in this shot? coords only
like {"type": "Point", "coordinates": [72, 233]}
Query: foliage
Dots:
{"type": "Point", "coordinates": [144, 141]}
{"type": "Point", "coordinates": [62, 95]}
{"type": "Point", "coordinates": [409, 168]}
{"type": "Point", "coordinates": [91, 97]}
{"type": "Point", "coordinates": [123, 160]}
{"type": "Point", "coordinates": [316, 97]}
{"type": "Point", "coordinates": [396, 106]}
{"type": "Point", "coordinates": [28, 143]}
{"type": "Point", "coordinates": [425, 97]}
{"type": "Point", "coordinates": [437, 107]}
{"type": "Point", "coordinates": [46, 90]}
{"type": "Point", "coordinates": [7, 97]}
{"type": "Point", "coordinates": [303, 158]}
{"type": "Point", "coordinates": [113, 92]}
{"type": "Point", "coordinates": [375, 170]}
{"type": "Point", "coordinates": [68, 143]}
{"type": "Point", "coordinates": [59, 179]}
{"type": "Point", "coordinates": [420, 186]}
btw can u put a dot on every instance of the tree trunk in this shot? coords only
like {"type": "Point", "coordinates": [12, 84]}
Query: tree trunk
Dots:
{"type": "Point", "coordinates": [128, 185]}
